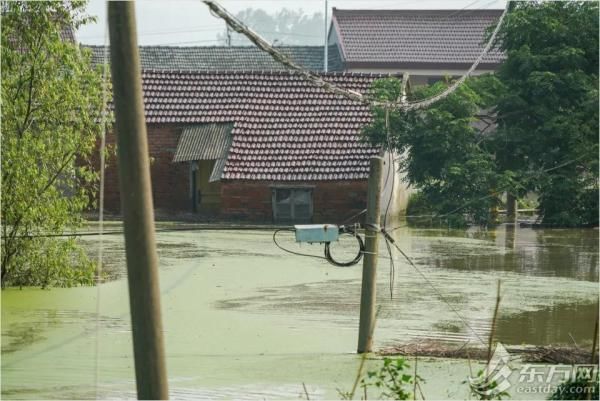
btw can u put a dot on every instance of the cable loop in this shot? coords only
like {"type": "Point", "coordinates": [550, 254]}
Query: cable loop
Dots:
{"type": "Point", "coordinates": [344, 230]}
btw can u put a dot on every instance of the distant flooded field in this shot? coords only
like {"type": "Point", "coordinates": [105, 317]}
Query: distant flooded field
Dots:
{"type": "Point", "coordinates": [245, 320]}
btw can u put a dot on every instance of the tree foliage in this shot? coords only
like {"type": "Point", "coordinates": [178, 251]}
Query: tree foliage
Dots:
{"type": "Point", "coordinates": [531, 127]}
{"type": "Point", "coordinates": [391, 381]}
{"type": "Point", "coordinates": [285, 27]}
{"type": "Point", "coordinates": [447, 158]}
{"type": "Point", "coordinates": [51, 100]}
{"type": "Point", "coordinates": [548, 116]}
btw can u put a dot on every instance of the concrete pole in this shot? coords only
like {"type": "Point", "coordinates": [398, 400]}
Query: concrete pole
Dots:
{"type": "Point", "coordinates": [369, 276]}
{"type": "Point", "coordinates": [136, 204]}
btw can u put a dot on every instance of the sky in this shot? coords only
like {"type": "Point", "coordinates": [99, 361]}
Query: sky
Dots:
{"type": "Point", "coordinates": [189, 22]}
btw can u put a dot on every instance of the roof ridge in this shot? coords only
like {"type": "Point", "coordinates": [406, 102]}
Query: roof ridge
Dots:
{"type": "Point", "coordinates": [352, 74]}
{"type": "Point", "coordinates": [221, 57]}
{"type": "Point", "coordinates": [211, 47]}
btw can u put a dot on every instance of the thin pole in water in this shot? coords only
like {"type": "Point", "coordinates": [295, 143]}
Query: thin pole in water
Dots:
{"type": "Point", "coordinates": [136, 203]}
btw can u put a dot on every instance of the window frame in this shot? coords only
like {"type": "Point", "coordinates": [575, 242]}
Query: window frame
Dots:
{"type": "Point", "coordinates": [292, 189]}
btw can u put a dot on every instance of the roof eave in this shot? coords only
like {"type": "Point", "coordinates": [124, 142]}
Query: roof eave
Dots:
{"type": "Point", "coordinates": [419, 65]}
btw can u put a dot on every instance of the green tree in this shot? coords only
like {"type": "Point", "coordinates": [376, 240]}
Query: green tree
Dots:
{"type": "Point", "coordinates": [548, 115]}
{"type": "Point", "coordinates": [447, 155]}
{"type": "Point", "coordinates": [283, 28]}
{"type": "Point", "coordinates": [51, 102]}
{"type": "Point", "coordinates": [531, 127]}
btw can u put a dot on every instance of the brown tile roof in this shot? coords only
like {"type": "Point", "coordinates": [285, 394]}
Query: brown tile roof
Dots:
{"type": "Point", "coordinates": [285, 129]}
{"type": "Point", "coordinates": [415, 38]}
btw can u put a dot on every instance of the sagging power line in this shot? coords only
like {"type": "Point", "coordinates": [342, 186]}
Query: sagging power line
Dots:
{"type": "Point", "coordinates": [238, 26]}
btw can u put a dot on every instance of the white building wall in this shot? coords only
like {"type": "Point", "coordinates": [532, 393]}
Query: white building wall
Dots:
{"type": "Point", "coordinates": [395, 190]}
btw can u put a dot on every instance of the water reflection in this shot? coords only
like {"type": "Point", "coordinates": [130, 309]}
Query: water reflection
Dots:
{"type": "Point", "coordinates": [557, 324]}
{"type": "Point", "coordinates": [238, 311]}
{"type": "Point", "coordinates": [510, 236]}
{"type": "Point", "coordinates": [569, 253]}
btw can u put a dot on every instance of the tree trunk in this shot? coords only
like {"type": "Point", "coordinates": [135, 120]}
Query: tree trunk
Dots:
{"type": "Point", "coordinates": [511, 208]}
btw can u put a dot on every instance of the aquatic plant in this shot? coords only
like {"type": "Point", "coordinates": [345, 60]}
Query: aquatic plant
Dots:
{"type": "Point", "coordinates": [390, 380]}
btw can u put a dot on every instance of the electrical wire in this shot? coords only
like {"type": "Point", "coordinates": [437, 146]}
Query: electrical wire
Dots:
{"type": "Point", "coordinates": [158, 230]}
{"type": "Point", "coordinates": [344, 230]}
{"type": "Point", "coordinates": [290, 251]}
{"type": "Point", "coordinates": [392, 171]}
{"type": "Point", "coordinates": [390, 240]}
{"type": "Point", "coordinates": [101, 233]}
{"type": "Point", "coordinates": [238, 26]}
{"type": "Point", "coordinates": [500, 189]}
{"type": "Point", "coordinates": [354, 216]}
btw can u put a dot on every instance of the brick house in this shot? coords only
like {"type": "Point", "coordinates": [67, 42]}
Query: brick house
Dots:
{"type": "Point", "coordinates": [428, 44]}
{"type": "Point", "coordinates": [258, 146]}
{"type": "Point", "coordinates": [228, 140]}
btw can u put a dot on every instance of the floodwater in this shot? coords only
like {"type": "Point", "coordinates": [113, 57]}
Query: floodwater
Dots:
{"type": "Point", "coordinates": [245, 320]}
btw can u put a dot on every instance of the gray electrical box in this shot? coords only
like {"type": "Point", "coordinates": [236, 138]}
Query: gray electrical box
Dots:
{"type": "Point", "coordinates": [317, 233]}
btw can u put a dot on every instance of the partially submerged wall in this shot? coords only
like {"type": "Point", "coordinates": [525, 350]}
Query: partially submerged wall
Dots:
{"type": "Point", "coordinates": [333, 201]}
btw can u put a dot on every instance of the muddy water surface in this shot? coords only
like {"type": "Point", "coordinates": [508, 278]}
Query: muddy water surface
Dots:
{"type": "Point", "coordinates": [245, 320]}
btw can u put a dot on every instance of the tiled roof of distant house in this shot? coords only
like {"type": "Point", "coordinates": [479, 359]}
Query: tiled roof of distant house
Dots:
{"type": "Point", "coordinates": [67, 34]}
{"type": "Point", "coordinates": [223, 58]}
{"type": "Point", "coordinates": [284, 128]}
{"type": "Point", "coordinates": [414, 38]}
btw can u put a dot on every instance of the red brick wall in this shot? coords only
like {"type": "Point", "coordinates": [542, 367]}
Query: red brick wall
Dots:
{"type": "Point", "coordinates": [333, 201]}
{"type": "Point", "coordinates": [170, 181]}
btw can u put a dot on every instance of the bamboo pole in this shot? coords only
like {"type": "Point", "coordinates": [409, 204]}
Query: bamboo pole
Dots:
{"type": "Point", "coordinates": [493, 328]}
{"type": "Point", "coordinates": [136, 204]}
{"type": "Point", "coordinates": [369, 276]}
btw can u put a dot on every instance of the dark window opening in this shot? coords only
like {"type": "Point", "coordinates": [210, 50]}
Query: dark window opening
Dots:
{"type": "Point", "coordinates": [292, 205]}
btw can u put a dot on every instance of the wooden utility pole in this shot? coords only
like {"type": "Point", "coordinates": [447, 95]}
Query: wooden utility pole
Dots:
{"type": "Point", "coordinates": [136, 204]}
{"type": "Point", "coordinates": [369, 277]}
